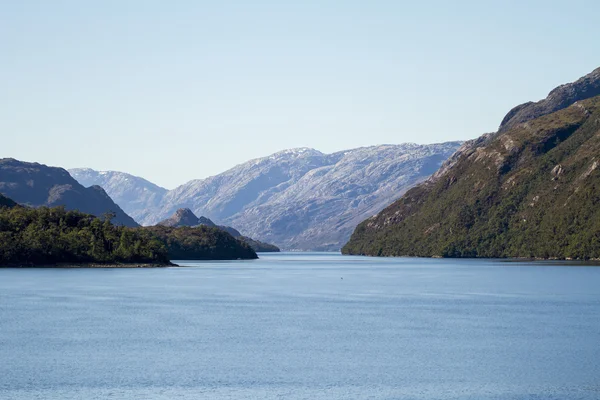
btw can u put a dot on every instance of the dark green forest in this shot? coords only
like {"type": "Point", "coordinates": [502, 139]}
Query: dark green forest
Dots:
{"type": "Point", "coordinates": [201, 243]}
{"type": "Point", "coordinates": [46, 236]}
{"type": "Point", "coordinates": [532, 192]}
{"type": "Point", "coordinates": [49, 236]}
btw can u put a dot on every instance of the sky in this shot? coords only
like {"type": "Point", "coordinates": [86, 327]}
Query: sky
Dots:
{"type": "Point", "coordinates": [185, 89]}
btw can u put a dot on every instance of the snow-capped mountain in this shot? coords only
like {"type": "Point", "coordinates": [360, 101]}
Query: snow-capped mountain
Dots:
{"type": "Point", "coordinates": [297, 199]}
{"type": "Point", "coordinates": [133, 194]}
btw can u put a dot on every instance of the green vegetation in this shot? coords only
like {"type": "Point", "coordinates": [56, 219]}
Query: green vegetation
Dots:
{"type": "Point", "coordinates": [532, 191]}
{"type": "Point", "coordinates": [38, 185]}
{"type": "Point", "coordinates": [47, 236]}
{"type": "Point", "coordinates": [257, 245]}
{"type": "Point", "coordinates": [201, 243]}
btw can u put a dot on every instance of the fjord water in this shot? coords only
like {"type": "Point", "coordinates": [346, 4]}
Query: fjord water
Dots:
{"type": "Point", "coordinates": [303, 326]}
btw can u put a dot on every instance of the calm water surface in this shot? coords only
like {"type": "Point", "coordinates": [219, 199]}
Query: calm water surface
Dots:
{"type": "Point", "coordinates": [303, 326]}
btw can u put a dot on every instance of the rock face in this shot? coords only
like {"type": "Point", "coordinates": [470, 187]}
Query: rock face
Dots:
{"type": "Point", "coordinates": [529, 190]}
{"type": "Point", "coordinates": [561, 97]}
{"type": "Point", "coordinates": [302, 199]}
{"type": "Point", "coordinates": [185, 217]}
{"type": "Point", "coordinates": [36, 185]}
{"type": "Point", "coordinates": [134, 194]}
{"type": "Point", "coordinates": [319, 210]}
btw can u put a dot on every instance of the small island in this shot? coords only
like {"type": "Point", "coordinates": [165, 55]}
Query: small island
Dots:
{"type": "Point", "coordinates": [184, 217]}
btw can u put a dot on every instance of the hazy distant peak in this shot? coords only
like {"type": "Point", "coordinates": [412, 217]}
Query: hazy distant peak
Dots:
{"type": "Point", "coordinates": [299, 198]}
{"type": "Point", "coordinates": [36, 185]}
{"type": "Point", "coordinates": [132, 193]}
{"type": "Point", "coordinates": [299, 151]}
{"type": "Point", "coordinates": [89, 174]}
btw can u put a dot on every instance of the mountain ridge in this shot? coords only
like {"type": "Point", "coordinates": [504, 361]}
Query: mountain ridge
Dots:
{"type": "Point", "coordinates": [302, 198]}
{"type": "Point", "coordinates": [133, 193]}
{"type": "Point", "coordinates": [560, 97]}
{"type": "Point", "coordinates": [37, 185]}
{"type": "Point", "coordinates": [524, 191]}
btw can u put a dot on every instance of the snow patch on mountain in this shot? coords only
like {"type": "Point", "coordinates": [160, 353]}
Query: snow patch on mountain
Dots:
{"type": "Point", "coordinates": [299, 199]}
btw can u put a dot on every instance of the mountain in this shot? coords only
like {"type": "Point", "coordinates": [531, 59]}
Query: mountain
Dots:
{"type": "Point", "coordinates": [222, 196]}
{"type": "Point", "coordinates": [36, 185]}
{"type": "Point", "coordinates": [303, 199]}
{"type": "Point", "coordinates": [319, 210]}
{"type": "Point", "coordinates": [132, 193]}
{"type": "Point", "coordinates": [185, 217]}
{"type": "Point", "coordinates": [559, 98]}
{"type": "Point", "coordinates": [530, 190]}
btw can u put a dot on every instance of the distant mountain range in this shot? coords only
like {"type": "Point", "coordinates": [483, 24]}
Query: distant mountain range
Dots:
{"type": "Point", "coordinates": [36, 185]}
{"type": "Point", "coordinates": [299, 199]}
{"type": "Point", "coordinates": [532, 189]}
{"type": "Point", "coordinates": [134, 194]}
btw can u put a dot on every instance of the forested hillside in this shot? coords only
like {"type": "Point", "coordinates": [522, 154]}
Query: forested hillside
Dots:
{"type": "Point", "coordinates": [533, 191]}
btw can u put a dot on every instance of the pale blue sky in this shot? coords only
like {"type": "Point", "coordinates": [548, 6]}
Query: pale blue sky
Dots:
{"type": "Point", "coordinates": [176, 90]}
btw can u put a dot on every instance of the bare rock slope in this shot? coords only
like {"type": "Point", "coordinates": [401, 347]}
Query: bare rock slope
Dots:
{"type": "Point", "coordinates": [134, 194]}
{"type": "Point", "coordinates": [299, 199]}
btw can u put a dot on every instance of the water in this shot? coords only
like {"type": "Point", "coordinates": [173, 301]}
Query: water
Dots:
{"type": "Point", "coordinates": [303, 326]}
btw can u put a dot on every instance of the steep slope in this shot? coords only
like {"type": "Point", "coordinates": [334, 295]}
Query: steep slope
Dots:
{"type": "Point", "coordinates": [301, 198]}
{"type": "Point", "coordinates": [35, 185]}
{"type": "Point", "coordinates": [559, 98]}
{"type": "Point", "coordinates": [256, 197]}
{"type": "Point", "coordinates": [132, 193]}
{"type": "Point", "coordinates": [531, 190]}
{"type": "Point", "coordinates": [321, 209]}
{"type": "Point", "coordinates": [226, 194]}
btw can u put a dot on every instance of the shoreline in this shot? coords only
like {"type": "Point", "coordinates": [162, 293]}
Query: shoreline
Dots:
{"type": "Point", "coordinates": [92, 265]}
{"type": "Point", "coordinates": [595, 261]}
